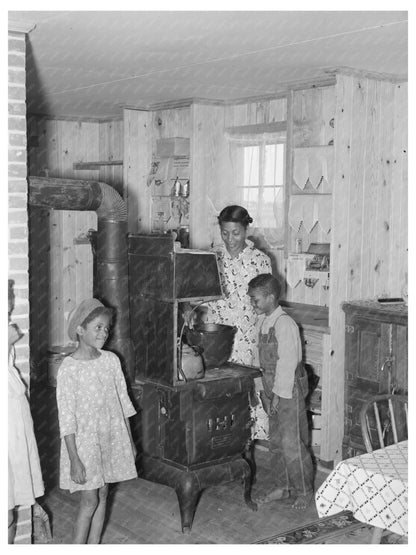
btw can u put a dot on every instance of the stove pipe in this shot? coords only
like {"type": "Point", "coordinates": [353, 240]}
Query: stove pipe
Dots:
{"type": "Point", "coordinates": [112, 260]}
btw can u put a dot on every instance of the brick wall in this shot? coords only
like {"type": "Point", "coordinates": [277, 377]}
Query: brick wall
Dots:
{"type": "Point", "coordinates": [18, 221]}
{"type": "Point", "coordinates": [18, 218]}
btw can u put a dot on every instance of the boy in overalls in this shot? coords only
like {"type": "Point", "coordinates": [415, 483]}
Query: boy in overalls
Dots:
{"type": "Point", "coordinates": [285, 386]}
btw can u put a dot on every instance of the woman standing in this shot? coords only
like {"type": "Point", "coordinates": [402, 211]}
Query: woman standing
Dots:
{"type": "Point", "coordinates": [238, 261]}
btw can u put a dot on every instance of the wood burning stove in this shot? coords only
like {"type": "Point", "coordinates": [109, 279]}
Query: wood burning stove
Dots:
{"type": "Point", "coordinates": [194, 433]}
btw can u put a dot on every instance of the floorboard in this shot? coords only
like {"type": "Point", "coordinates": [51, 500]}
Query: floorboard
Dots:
{"type": "Point", "coordinates": [142, 512]}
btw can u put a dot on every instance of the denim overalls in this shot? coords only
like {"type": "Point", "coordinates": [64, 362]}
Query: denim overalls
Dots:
{"type": "Point", "coordinates": [291, 462]}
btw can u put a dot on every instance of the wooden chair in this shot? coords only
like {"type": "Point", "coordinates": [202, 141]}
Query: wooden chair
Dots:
{"type": "Point", "coordinates": [384, 420]}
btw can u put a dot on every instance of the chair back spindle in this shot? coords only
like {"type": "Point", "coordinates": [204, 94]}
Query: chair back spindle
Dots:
{"type": "Point", "coordinates": [390, 417]}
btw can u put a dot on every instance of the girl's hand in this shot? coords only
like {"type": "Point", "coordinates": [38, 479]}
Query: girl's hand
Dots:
{"type": "Point", "coordinates": [134, 449]}
{"type": "Point", "coordinates": [274, 404]}
{"type": "Point", "coordinates": [78, 474]}
{"type": "Point", "coordinates": [133, 446]}
{"type": "Point", "coordinates": [14, 334]}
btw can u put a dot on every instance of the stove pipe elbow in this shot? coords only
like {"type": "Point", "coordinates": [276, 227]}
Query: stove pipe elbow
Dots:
{"type": "Point", "coordinates": [111, 246]}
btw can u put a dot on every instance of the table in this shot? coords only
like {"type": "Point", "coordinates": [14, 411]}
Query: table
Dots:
{"type": "Point", "coordinates": [374, 486]}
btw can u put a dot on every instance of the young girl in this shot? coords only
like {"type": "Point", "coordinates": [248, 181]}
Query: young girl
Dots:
{"type": "Point", "coordinates": [93, 409]}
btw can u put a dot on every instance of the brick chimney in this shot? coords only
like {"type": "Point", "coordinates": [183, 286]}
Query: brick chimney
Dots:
{"type": "Point", "coordinates": [18, 257]}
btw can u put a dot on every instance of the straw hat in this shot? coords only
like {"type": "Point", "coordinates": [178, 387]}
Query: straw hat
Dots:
{"type": "Point", "coordinates": [79, 314]}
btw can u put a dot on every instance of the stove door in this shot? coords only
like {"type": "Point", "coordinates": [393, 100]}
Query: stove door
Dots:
{"type": "Point", "coordinates": [218, 428]}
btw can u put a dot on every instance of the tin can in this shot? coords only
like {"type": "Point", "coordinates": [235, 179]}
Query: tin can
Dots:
{"type": "Point", "coordinates": [298, 245]}
{"type": "Point", "coordinates": [176, 189]}
{"type": "Point", "coordinates": [185, 189]}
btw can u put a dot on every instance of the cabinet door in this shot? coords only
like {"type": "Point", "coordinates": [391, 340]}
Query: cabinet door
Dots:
{"type": "Point", "coordinates": [367, 348]}
{"type": "Point", "coordinates": [399, 380]}
{"type": "Point", "coordinates": [376, 352]}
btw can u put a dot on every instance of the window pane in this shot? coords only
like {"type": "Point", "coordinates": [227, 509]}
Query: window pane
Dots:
{"type": "Point", "coordinates": [251, 166]}
{"type": "Point", "coordinates": [250, 199]}
{"type": "Point", "coordinates": [267, 207]}
{"type": "Point", "coordinates": [278, 209]}
{"type": "Point", "coordinates": [263, 199]}
{"type": "Point", "coordinates": [274, 163]}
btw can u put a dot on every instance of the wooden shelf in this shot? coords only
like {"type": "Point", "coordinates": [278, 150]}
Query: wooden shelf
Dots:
{"type": "Point", "coordinates": [312, 147]}
{"type": "Point", "coordinates": [310, 193]}
{"type": "Point", "coordinates": [96, 165]}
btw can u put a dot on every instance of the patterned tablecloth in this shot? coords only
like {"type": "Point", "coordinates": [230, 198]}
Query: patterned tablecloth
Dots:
{"type": "Point", "coordinates": [373, 486]}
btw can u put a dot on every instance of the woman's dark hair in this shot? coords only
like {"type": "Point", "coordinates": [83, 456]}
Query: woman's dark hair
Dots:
{"type": "Point", "coordinates": [267, 283]}
{"type": "Point", "coordinates": [100, 310]}
{"type": "Point", "coordinates": [236, 214]}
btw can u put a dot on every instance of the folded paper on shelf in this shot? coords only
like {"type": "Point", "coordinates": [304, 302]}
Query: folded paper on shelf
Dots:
{"type": "Point", "coordinates": [313, 164]}
{"type": "Point", "coordinates": [300, 167]}
{"type": "Point", "coordinates": [310, 209]}
{"type": "Point", "coordinates": [325, 213]}
{"type": "Point", "coordinates": [303, 209]}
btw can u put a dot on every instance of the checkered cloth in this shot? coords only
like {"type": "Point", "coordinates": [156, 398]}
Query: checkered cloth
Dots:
{"type": "Point", "coordinates": [373, 486]}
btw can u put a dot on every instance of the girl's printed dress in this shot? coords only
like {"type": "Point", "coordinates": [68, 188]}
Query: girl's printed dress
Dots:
{"type": "Point", "coordinates": [25, 476]}
{"type": "Point", "coordinates": [92, 404]}
{"type": "Point", "coordinates": [236, 310]}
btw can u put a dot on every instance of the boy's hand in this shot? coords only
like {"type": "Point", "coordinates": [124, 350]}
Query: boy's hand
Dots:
{"type": "Point", "coordinates": [78, 474]}
{"type": "Point", "coordinates": [274, 404]}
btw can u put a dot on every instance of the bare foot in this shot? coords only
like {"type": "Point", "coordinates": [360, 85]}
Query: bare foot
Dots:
{"type": "Point", "coordinates": [274, 495]}
{"type": "Point", "coordinates": [302, 501]}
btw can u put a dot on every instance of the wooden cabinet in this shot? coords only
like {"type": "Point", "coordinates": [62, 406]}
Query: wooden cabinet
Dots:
{"type": "Point", "coordinates": [375, 361]}
{"type": "Point", "coordinates": [314, 330]}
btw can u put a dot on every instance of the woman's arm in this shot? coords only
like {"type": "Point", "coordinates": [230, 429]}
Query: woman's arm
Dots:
{"type": "Point", "coordinates": [78, 474]}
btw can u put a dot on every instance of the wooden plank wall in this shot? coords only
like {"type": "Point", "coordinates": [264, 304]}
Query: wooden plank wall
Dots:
{"type": "Point", "coordinates": [55, 146]}
{"type": "Point", "coordinates": [137, 163]}
{"type": "Point", "coordinates": [141, 131]}
{"type": "Point", "coordinates": [369, 235]}
{"type": "Point", "coordinates": [209, 173]}
{"type": "Point", "coordinates": [111, 147]}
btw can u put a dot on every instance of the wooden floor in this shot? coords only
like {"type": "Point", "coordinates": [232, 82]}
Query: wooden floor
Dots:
{"type": "Point", "coordinates": [142, 512]}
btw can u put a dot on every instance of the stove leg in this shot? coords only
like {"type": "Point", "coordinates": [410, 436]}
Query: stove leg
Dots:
{"type": "Point", "coordinates": [187, 490]}
{"type": "Point", "coordinates": [248, 480]}
{"type": "Point", "coordinates": [249, 457]}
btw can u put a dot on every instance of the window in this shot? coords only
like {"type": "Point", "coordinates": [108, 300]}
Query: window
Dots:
{"type": "Point", "coordinates": [260, 186]}
{"type": "Point", "coordinates": [262, 190]}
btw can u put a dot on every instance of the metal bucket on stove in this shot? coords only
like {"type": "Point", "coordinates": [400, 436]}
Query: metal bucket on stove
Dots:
{"type": "Point", "coordinates": [216, 341]}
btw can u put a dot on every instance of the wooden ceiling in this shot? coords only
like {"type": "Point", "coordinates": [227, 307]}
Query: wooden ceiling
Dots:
{"type": "Point", "coordinates": [92, 63]}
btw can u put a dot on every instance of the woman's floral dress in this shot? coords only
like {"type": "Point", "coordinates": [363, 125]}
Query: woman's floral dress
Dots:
{"type": "Point", "coordinates": [93, 404]}
{"type": "Point", "coordinates": [235, 310]}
